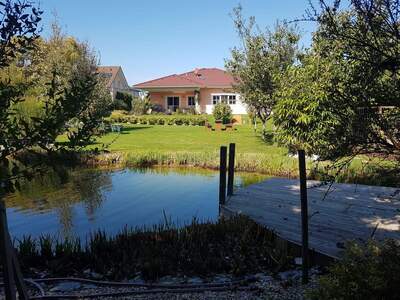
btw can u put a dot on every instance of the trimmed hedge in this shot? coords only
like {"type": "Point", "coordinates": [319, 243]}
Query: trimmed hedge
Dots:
{"type": "Point", "coordinates": [193, 120]}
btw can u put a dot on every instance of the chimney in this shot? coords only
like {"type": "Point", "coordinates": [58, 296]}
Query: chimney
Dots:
{"type": "Point", "coordinates": [196, 72]}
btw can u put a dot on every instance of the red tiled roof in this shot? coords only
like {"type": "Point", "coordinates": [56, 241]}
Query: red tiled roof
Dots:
{"type": "Point", "coordinates": [108, 72]}
{"type": "Point", "coordinates": [205, 77]}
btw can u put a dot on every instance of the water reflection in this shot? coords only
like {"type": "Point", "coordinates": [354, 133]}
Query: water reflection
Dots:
{"type": "Point", "coordinates": [75, 202]}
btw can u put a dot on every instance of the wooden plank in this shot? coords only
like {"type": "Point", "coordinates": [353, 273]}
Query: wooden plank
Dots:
{"type": "Point", "coordinates": [345, 196]}
{"type": "Point", "coordinates": [332, 208]}
{"type": "Point", "coordinates": [348, 212]}
{"type": "Point", "coordinates": [276, 200]}
{"type": "Point", "coordinates": [274, 219]}
{"type": "Point", "coordinates": [316, 199]}
{"type": "Point", "coordinates": [343, 222]}
{"type": "Point", "coordinates": [5, 247]}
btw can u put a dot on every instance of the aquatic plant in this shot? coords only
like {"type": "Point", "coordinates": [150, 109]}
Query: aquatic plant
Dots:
{"type": "Point", "coordinates": [236, 246]}
{"type": "Point", "coordinates": [360, 171]}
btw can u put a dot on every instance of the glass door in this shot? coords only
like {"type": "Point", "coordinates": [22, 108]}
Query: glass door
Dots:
{"type": "Point", "coordinates": [173, 103]}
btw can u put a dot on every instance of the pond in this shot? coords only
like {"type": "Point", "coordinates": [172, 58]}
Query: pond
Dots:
{"type": "Point", "coordinates": [76, 202]}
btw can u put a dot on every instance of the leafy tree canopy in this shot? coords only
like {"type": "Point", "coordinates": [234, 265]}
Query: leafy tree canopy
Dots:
{"type": "Point", "coordinates": [259, 63]}
{"type": "Point", "coordinates": [343, 98]}
{"type": "Point", "coordinates": [47, 88]}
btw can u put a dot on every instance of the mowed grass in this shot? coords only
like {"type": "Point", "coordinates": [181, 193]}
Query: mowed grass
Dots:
{"type": "Point", "coordinates": [147, 145]}
{"type": "Point", "coordinates": [158, 138]}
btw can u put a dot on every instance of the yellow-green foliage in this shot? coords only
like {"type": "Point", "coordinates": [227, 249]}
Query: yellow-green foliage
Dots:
{"type": "Point", "coordinates": [368, 271]}
{"type": "Point", "coordinates": [246, 162]}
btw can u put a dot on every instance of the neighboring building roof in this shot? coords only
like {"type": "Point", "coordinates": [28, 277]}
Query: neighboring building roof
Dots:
{"type": "Point", "coordinates": [109, 73]}
{"type": "Point", "coordinates": [205, 77]}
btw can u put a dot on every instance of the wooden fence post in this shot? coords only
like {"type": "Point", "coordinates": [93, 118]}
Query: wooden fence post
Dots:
{"type": "Point", "coordinates": [18, 276]}
{"type": "Point", "coordinates": [6, 257]}
{"type": "Point", "coordinates": [222, 175]}
{"type": "Point", "coordinates": [304, 215]}
{"type": "Point", "coordinates": [231, 168]}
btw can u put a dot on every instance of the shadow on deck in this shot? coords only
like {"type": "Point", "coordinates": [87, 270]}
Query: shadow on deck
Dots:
{"type": "Point", "coordinates": [344, 212]}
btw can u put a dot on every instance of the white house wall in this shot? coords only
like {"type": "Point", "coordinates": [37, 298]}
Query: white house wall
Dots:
{"type": "Point", "coordinates": [237, 109]}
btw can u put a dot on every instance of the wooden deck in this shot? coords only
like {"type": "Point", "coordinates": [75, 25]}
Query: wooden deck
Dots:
{"type": "Point", "coordinates": [348, 212]}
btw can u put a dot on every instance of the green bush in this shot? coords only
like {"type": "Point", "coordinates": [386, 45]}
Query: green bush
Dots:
{"type": "Point", "coordinates": [223, 112]}
{"type": "Point", "coordinates": [368, 271]}
{"type": "Point", "coordinates": [123, 101]}
{"type": "Point", "coordinates": [195, 120]}
{"type": "Point", "coordinates": [141, 106]}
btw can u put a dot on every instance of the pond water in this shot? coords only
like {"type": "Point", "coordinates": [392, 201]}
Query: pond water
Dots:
{"type": "Point", "coordinates": [75, 202]}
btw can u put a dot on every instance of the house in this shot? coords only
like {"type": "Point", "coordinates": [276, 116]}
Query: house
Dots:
{"type": "Point", "coordinates": [116, 81]}
{"type": "Point", "coordinates": [199, 89]}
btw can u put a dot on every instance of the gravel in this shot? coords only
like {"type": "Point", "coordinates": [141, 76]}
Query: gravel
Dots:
{"type": "Point", "coordinates": [284, 285]}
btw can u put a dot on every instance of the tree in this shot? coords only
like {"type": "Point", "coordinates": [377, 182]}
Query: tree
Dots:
{"type": "Point", "coordinates": [344, 97]}
{"type": "Point", "coordinates": [259, 64]}
{"type": "Point", "coordinates": [57, 78]}
{"type": "Point", "coordinates": [141, 106]}
{"type": "Point", "coordinates": [123, 101]}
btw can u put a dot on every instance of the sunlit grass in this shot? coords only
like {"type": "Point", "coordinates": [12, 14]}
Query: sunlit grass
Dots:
{"type": "Point", "coordinates": [148, 145]}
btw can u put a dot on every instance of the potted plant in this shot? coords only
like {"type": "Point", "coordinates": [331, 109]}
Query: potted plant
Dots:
{"type": "Point", "coordinates": [223, 115]}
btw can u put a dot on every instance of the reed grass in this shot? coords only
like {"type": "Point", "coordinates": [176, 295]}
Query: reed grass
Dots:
{"type": "Point", "coordinates": [359, 171]}
{"type": "Point", "coordinates": [245, 162]}
{"type": "Point", "coordinates": [237, 246]}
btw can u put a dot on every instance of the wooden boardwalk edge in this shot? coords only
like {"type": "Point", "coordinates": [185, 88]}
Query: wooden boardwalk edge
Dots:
{"type": "Point", "coordinates": [349, 212]}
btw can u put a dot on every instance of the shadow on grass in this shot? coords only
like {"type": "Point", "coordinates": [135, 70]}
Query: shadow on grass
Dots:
{"type": "Point", "coordinates": [127, 130]}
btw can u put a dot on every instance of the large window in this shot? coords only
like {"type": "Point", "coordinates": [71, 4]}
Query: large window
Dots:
{"type": "Point", "coordinates": [224, 98]}
{"type": "Point", "coordinates": [173, 103]}
{"type": "Point", "coordinates": [191, 101]}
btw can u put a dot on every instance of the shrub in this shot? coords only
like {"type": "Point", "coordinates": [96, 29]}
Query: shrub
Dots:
{"type": "Point", "coordinates": [178, 120]}
{"type": "Point", "coordinates": [368, 271]}
{"type": "Point", "coordinates": [223, 112]}
{"type": "Point", "coordinates": [119, 117]}
{"type": "Point", "coordinates": [171, 121]}
{"type": "Point", "coordinates": [123, 101]}
{"type": "Point", "coordinates": [141, 106]}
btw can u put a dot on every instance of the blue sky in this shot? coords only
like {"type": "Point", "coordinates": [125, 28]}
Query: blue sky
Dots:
{"type": "Point", "coordinates": [154, 38]}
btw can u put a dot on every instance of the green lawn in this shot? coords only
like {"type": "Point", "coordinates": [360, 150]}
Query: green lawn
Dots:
{"type": "Point", "coordinates": [138, 138]}
{"type": "Point", "coordinates": [143, 145]}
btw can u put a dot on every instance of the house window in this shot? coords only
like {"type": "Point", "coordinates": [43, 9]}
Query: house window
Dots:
{"type": "Point", "coordinates": [216, 99]}
{"type": "Point", "coordinates": [224, 98]}
{"type": "Point", "coordinates": [191, 101]}
{"type": "Point", "coordinates": [173, 103]}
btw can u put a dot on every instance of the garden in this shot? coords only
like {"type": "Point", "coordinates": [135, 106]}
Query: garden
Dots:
{"type": "Point", "coordinates": [337, 100]}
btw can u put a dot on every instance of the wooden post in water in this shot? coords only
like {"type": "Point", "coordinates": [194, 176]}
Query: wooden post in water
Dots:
{"type": "Point", "coordinates": [231, 168]}
{"type": "Point", "coordinates": [222, 175]}
{"type": "Point", "coordinates": [304, 215]}
{"type": "Point", "coordinates": [6, 257]}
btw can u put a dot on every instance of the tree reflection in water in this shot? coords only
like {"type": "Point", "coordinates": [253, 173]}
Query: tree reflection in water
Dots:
{"type": "Point", "coordinates": [75, 202]}
{"type": "Point", "coordinates": [59, 190]}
